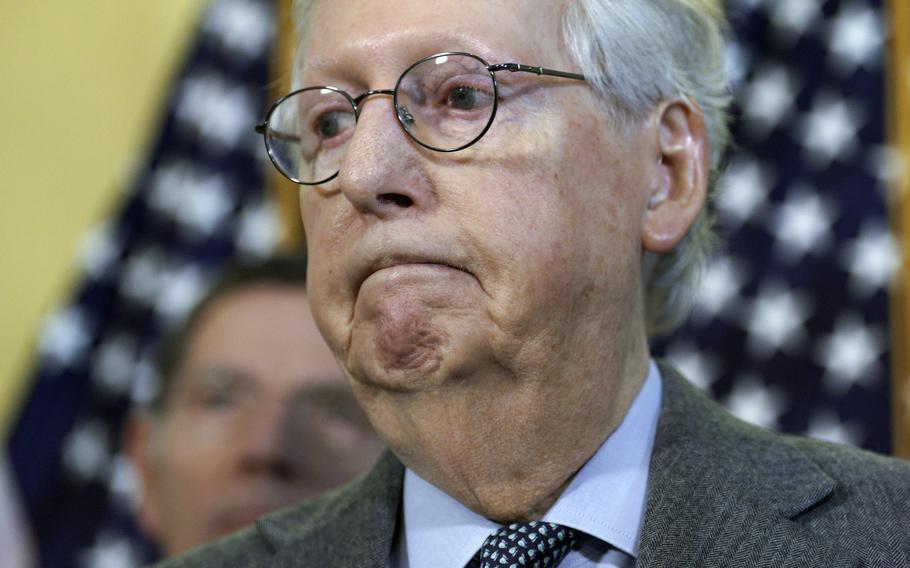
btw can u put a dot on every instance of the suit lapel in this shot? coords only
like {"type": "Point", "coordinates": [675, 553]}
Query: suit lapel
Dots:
{"type": "Point", "coordinates": [353, 526]}
{"type": "Point", "coordinates": [721, 492]}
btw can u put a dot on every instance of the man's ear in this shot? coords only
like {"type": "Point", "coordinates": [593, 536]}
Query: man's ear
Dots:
{"type": "Point", "coordinates": [138, 440]}
{"type": "Point", "coordinates": [680, 187]}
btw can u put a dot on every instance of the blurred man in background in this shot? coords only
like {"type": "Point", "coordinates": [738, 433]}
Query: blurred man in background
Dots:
{"type": "Point", "coordinates": [253, 413]}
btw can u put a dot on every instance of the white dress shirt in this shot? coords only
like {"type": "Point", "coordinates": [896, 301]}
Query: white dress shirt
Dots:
{"type": "Point", "coordinates": [605, 501]}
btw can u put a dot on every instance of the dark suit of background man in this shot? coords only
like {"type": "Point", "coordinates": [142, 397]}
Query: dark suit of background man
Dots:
{"type": "Point", "coordinates": [488, 260]}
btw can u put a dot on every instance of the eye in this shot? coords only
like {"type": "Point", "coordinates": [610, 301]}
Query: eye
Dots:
{"type": "Point", "coordinates": [217, 389]}
{"type": "Point", "coordinates": [330, 124]}
{"type": "Point", "coordinates": [468, 98]}
{"type": "Point", "coordinates": [221, 399]}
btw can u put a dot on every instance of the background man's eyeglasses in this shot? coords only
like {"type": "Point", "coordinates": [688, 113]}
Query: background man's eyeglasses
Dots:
{"type": "Point", "coordinates": [444, 102]}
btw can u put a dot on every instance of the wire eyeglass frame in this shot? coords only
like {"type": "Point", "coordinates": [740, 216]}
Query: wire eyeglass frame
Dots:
{"type": "Point", "coordinates": [267, 133]}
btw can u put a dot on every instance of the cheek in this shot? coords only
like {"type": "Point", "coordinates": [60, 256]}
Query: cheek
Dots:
{"type": "Point", "coordinates": [196, 456]}
{"type": "Point", "coordinates": [565, 223]}
{"type": "Point", "coordinates": [327, 225]}
{"type": "Point", "coordinates": [329, 228]}
{"type": "Point", "coordinates": [182, 491]}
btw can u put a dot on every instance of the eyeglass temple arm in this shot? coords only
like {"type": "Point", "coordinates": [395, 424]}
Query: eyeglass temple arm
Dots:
{"type": "Point", "coordinates": [263, 127]}
{"type": "Point", "coordinates": [518, 67]}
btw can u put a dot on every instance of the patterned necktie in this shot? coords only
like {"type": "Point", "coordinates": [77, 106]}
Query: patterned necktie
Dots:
{"type": "Point", "coordinates": [525, 545]}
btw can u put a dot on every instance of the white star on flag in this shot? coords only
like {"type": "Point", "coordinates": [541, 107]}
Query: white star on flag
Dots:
{"type": "Point", "coordinates": [184, 288]}
{"type": "Point", "coordinates": [85, 452]}
{"type": "Point", "coordinates": [170, 182]}
{"type": "Point", "coordinates": [871, 259]}
{"type": "Point", "coordinates": [141, 277]}
{"type": "Point", "coordinates": [244, 28]}
{"type": "Point", "coordinates": [752, 401]}
{"type": "Point", "coordinates": [743, 190]}
{"type": "Point", "coordinates": [257, 233]}
{"type": "Point", "coordinates": [768, 99]}
{"type": "Point", "coordinates": [776, 319]}
{"type": "Point", "coordinates": [115, 364]}
{"type": "Point", "coordinates": [197, 198]}
{"type": "Point", "coordinates": [698, 367]}
{"type": "Point", "coordinates": [855, 38]}
{"type": "Point", "coordinates": [205, 207]}
{"type": "Point", "coordinates": [887, 164]}
{"type": "Point", "coordinates": [802, 224]}
{"type": "Point", "coordinates": [850, 354]}
{"type": "Point", "coordinates": [65, 336]}
{"type": "Point", "coordinates": [829, 130]}
{"type": "Point", "coordinates": [109, 552]}
{"type": "Point", "coordinates": [825, 425]}
{"type": "Point", "coordinates": [98, 251]}
{"type": "Point", "coordinates": [721, 286]}
{"type": "Point", "coordinates": [792, 18]}
{"type": "Point", "coordinates": [123, 481]}
{"type": "Point", "coordinates": [218, 110]}
{"type": "Point", "coordinates": [736, 63]}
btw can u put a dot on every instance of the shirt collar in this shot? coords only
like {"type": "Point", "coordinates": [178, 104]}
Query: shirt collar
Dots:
{"type": "Point", "coordinates": [605, 499]}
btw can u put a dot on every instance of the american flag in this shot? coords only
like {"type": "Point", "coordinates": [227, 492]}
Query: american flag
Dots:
{"type": "Point", "coordinates": [197, 204]}
{"type": "Point", "coordinates": [791, 330]}
{"type": "Point", "coordinates": [791, 327]}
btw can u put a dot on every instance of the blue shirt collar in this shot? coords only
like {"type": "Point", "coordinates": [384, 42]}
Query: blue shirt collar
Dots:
{"type": "Point", "coordinates": [606, 499]}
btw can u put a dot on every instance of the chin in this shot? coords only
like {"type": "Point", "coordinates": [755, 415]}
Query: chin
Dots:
{"type": "Point", "coordinates": [407, 355]}
{"type": "Point", "coordinates": [420, 374]}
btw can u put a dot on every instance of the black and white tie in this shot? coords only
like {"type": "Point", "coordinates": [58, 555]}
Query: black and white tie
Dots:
{"type": "Point", "coordinates": [525, 545]}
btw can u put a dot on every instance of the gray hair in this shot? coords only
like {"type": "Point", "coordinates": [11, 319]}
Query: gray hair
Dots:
{"type": "Point", "coordinates": [635, 54]}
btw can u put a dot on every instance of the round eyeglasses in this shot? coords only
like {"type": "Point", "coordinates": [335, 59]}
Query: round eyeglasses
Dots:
{"type": "Point", "coordinates": [444, 102]}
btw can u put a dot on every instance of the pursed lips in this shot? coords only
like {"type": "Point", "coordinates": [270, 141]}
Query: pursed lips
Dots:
{"type": "Point", "coordinates": [395, 261]}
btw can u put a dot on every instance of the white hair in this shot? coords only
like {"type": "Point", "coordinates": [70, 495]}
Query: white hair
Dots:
{"type": "Point", "coordinates": [635, 54]}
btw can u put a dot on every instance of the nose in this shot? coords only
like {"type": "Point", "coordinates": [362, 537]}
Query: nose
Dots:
{"type": "Point", "coordinates": [381, 173]}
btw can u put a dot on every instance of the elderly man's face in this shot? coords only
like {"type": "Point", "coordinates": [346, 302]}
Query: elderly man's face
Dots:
{"type": "Point", "coordinates": [258, 418]}
{"type": "Point", "coordinates": [474, 298]}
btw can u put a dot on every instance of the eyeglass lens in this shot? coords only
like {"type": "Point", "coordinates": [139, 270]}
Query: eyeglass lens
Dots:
{"type": "Point", "coordinates": [444, 102]}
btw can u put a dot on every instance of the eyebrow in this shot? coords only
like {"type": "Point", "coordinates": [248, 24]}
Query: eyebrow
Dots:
{"type": "Point", "coordinates": [315, 388]}
{"type": "Point", "coordinates": [214, 372]}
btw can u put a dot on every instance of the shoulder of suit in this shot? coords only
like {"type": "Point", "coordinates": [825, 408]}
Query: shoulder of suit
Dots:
{"type": "Point", "coordinates": [244, 548]}
{"type": "Point", "coordinates": [842, 462]}
{"type": "Point", "coordinates": [819, 492]}
{"type": "Point", "coordinates": [860, 473]}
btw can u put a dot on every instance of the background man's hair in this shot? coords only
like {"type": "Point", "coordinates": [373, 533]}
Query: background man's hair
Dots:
{"type": "Point", "coordinates": [636, 53]}
{"type": "Point", "coordinates": [287, 270]}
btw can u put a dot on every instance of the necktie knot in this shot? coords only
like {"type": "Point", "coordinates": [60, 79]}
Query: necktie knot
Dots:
{"type": "Point", "coordinates": [526, 545]}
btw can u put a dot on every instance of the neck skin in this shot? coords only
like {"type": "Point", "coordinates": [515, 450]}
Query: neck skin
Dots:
{"type": "Point", "coordinates": [504, 444]}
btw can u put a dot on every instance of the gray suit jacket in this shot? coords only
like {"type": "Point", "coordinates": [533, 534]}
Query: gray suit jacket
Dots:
{"type": "Point", "coordinates": [720, 493]}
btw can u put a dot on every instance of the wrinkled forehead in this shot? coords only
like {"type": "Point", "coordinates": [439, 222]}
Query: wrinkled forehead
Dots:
{"type": "Point", "coordinates": [340, 32]}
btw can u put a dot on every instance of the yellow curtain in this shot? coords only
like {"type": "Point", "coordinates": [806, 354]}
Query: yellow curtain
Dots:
{"type": "Point", "coordinates": [83, 83]}
{"type": "Point", "coordinates": [899, 138]}
{"type": "Point", "coordinates": [286, 193]}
